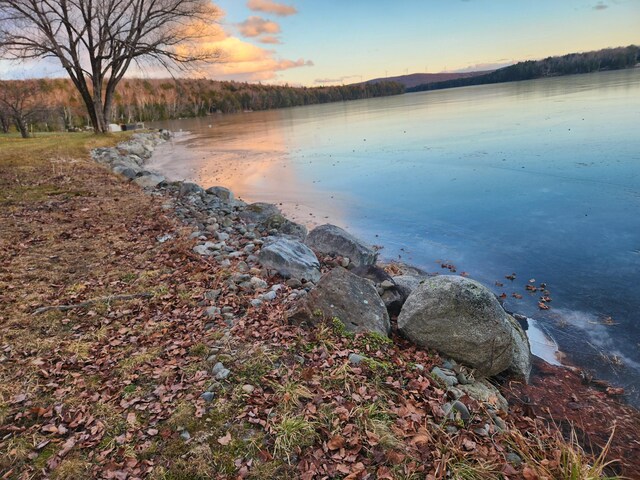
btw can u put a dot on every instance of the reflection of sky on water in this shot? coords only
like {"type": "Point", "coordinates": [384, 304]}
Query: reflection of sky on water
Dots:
{"type": "Point", "coordinates": [541, 178]}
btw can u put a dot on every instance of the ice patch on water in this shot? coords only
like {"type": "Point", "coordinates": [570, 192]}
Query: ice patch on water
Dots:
{"type": "Point", "coordinates": [542, 344]}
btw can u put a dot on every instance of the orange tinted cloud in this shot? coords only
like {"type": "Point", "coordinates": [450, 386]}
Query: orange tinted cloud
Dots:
{"type": "Point", "coordinates": [247, 62]}
{"type": "Point", "coordinates": [269, 39]}
{"type": "Point", "coordinates": [255, 26]}
{"type": "Point", "coordinates": [269, 6]}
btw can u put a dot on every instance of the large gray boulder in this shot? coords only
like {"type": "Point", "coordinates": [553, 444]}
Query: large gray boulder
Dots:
{"type": "Point", "coordinates": [343, 295]}
{"type": "Point", "coordinates": [462, 319]}
{"type": "Point", "coordinates": [290, 258]}
{"type": "Point", "coordinates": [332, 240]}
{"type": "Point", "coordinates": [521, 363]}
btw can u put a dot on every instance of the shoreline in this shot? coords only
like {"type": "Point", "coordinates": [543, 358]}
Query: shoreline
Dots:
{"type": "Point", "coordinates": [549, 354]}
{"type": "Point", "coordinates": [543, 345]}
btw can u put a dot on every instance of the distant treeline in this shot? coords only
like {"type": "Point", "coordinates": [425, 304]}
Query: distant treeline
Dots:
{"type": "Point", "coordinates": [607, 59]}
{"type": "Point", "coordinates": [59, 106]}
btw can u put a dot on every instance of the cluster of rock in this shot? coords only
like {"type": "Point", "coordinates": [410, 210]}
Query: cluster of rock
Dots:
{"type": "Point", "coordinates": [458, 317]}
{"type": "Point", "coordinates": [128, 158]}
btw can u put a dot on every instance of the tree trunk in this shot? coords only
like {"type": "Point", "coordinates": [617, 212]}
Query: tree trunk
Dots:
{"type": "Point", "coordinates": [4, 124]}
{"type": "Point", "coordinates": [21, 125]}
{"type": "Point", "coordinates": [101, 125]}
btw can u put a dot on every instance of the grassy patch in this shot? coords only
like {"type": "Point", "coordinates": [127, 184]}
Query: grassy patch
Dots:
{"type": "Point", "coordinates": [292, 433]}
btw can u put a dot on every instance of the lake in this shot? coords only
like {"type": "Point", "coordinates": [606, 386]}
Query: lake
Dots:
{"type": "Point", "coordinates": [539, 178]}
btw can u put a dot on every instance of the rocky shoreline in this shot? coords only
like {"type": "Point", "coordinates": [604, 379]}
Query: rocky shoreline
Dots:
{"type": "Point", "coordinates": [332, 275]}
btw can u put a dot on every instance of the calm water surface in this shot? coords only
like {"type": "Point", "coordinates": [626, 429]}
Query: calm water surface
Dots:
{"type": "Point", "coordinates": [538, 178]}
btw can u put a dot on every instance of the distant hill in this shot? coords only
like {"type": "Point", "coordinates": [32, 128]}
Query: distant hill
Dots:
{"type": "Point", "coordinates": [573, 63]}
{"type": "Point", "coordinates": [415, 79]}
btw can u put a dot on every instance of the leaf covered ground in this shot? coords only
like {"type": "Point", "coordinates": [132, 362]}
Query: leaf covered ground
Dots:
{"type": "Point", "coordinates": [114, 388]}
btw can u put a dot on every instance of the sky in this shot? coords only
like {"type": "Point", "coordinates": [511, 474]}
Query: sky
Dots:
{"type": "Point", "coordinates": [328, 42]}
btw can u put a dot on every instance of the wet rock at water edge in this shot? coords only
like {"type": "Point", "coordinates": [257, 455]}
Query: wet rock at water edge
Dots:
{"type": "Point", "coordinates": [285, 226]}
{"type": "Point", "coordinates": [332, 240]}
{"type": "Point", "coordinates": [149, 180]}
{"type": "Point", "coordinates": [220, 192]}
{"type": "Point", "coordinates": [259, 212]}
{"type": "Point", "coordinates": [462, 319]}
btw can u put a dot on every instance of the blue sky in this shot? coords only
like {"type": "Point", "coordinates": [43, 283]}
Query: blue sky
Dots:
{"type": "Point", "coordinates": [313, 42]}
{"type": "Point", "coordinates": [372, 38]}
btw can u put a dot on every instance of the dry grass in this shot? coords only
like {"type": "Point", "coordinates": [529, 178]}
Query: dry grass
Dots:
{"type": "Point", "coordinates": [547, 454]}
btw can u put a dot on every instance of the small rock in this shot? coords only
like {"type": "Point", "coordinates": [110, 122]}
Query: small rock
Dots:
{"type": "Point", "coordinates": [164, 238]}
{"type": "Point", "coordinates": [355, 359]}
{"type": "Point", "coordinates": [258, 283]}
{"type": "Point", "coordinates": [269, 296]}
{"type": "Point", "coordinates": [387, 284]}
{"type": "Point", "coordinates": [188, 188]}
{"type": "Point", "coordinates": [220, 192]}
{"type": "Point", "coordinates": [455, 393]}
{"type": "Point", "coordinates": [345, 262]}
{"type": "Point", "coordinates": [149, 181]}
{"type": "Point", "coordinates": [212, 312]}
{"type": "Point", "coordinates": [419, 366]}
{"type": "Point", "coordinates": [256, 302]}
{"type": "Point", "coordinates": [220, 372]}
{"type": "Point", "coordinates": [212, 294]}
{"type": "Point", "coordinates": [207, 396]}
{"type": "Point", "coordinates": [222, 236]}
{"type": "Point", "coordinates": [185, 435]}
{"type": "Point", "coordinates": [459, 407]}
{"type": "Point", "coordinates": [448, 380]}
{"type": "Point", "coordinates": [248, 389]}
{"type": "Point", "coordinates": [514, 459]}
{"type": "Point", "coordinates": [294, 283]}
{"type": "Point", "coordinates": [240, 277]}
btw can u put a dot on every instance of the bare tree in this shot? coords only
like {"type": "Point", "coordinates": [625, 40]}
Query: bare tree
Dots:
{"type": "Point", "coordinates": [20, 103]}
{"type": "Point", "coordinates": [97, 41]}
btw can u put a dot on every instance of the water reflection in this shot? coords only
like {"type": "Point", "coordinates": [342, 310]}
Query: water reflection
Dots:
{"type": "Point", "coordinates": [541, 178]}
